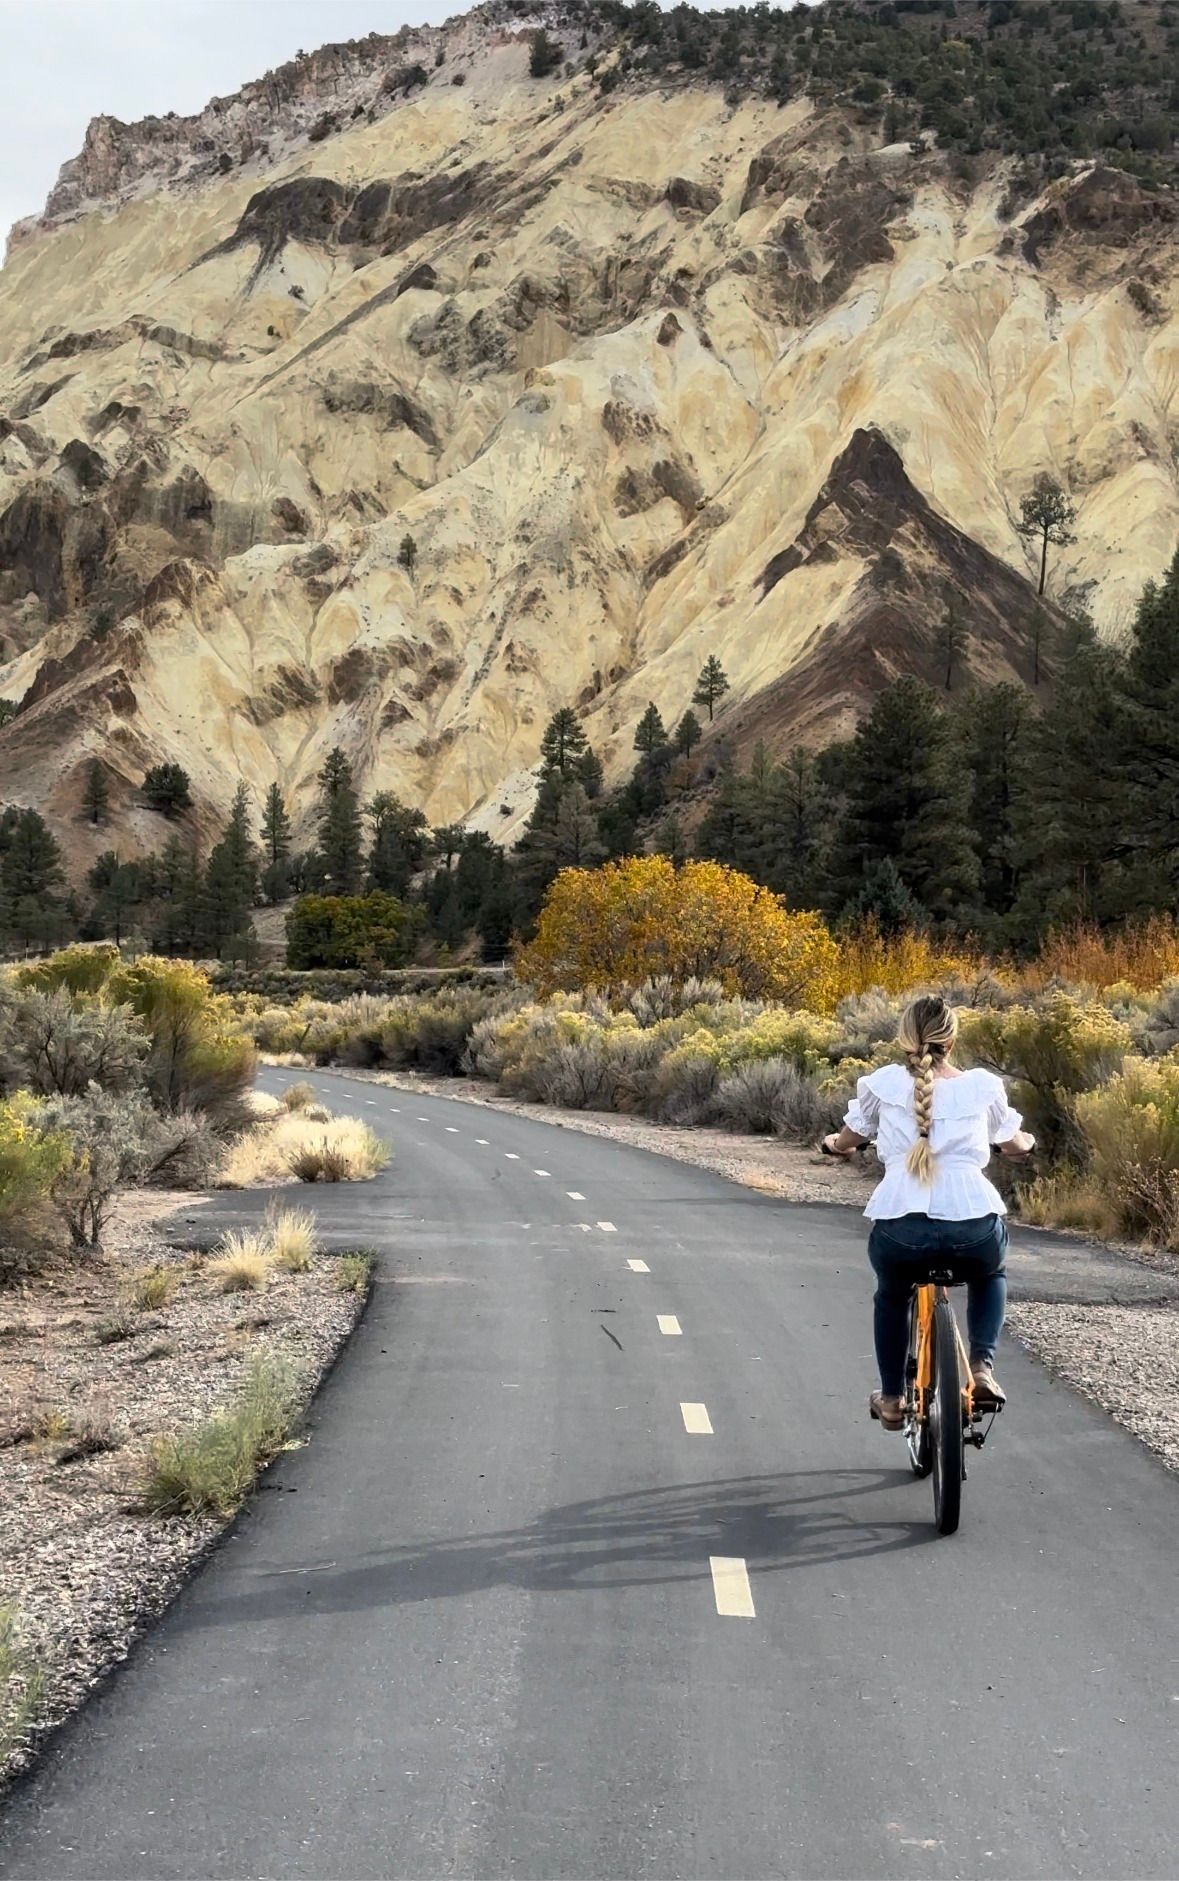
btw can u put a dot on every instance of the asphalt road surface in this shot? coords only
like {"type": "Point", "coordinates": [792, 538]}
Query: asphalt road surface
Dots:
{"type": "Point", "coordinates": [595, 1567]}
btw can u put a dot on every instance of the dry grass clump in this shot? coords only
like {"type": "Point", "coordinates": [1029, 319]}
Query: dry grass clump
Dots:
{"type": "Point", "coordinates": [291, 1235]}
{"type": "Point", "coordinates": [298, 1096]}
{"type": "Point", "coordinates": [210, 1469]}
{"type": "Point", "coordinates": [1066, 1201]}
{"type": "Point", "coordinates": [343, 1150]}
{"type": "Point", "coordinates": [150, 1288]}
{"type": "Point", "coordinates": [244, 1263]}
{"type": "Point", "coordinates": [310, 1144]}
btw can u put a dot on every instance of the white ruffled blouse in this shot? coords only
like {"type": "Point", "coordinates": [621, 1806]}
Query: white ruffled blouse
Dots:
{"type": "Point", "coordinates": [969, 1114]}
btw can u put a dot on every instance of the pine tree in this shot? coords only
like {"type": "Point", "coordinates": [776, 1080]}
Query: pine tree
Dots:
{"type": "Point", "coordinates": [564, 743]}
{"type": "Point", "coordinates": [407, 554]}
{"type": "Point", "coordinates": [340, 852]}
{"type": "Point", "coordinates": [1047, 516]}
{"type": "Point", "coordinates": [589, 772]}
{"type": "Point", "coordinates": [688, 734]}
{"type": "Point", "coordinates": [800, 815]}
{"type": "Point", "coordinates": [670, 840]}
{"type": "Point", "coordinates": [906, 800]}
{"type": "Point", "coordinates": [1039, 636]}
{"type": "Point", "coordinates": [276, 846]}
{"type": "Point", "coordinates": [1148, 755]}
{"type": "Point", "coordinates": [545, 55]}
{"type": "Point", "coordinates": [179, 884]}
{"type": "Point", "coordinates": [711, 686]}
{"type": "Point", "coordinates": [31, 877]}
{"type": "Point", "coordinates": [397, 847]}
{"type": "Point", "coordinates": [993, 729]}
{"type": "Point", "coordinates": [96, 795]}
{"type": "Point", "coordinates": [447, 842]}
{"type": "Point", "coordinates": [650, 735]}
{"type": "Point", "coordinates": [884, 901]}
{"type": "Point", "coordinates": [951, 642]}
{"type": "Point", "coordinates": [167, 789]}
{"type": "Point", "coordinates": [231, 885]}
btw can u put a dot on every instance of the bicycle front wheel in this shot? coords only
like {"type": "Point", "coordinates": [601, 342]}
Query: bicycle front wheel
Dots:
{"type": "Point", "coordinates": [945, 1422]}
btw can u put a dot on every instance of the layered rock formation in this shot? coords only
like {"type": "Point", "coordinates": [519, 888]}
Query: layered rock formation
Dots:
{"type": "Point", "coordinates": [644, 375]}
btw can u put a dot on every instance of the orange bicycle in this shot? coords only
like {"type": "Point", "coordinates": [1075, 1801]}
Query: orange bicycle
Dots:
{"type": "Point", "coordinates": [941, 1416]}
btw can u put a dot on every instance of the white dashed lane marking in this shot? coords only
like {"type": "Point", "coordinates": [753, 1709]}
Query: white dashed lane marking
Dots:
{"type": "Point", "coordinates": [638, 1267]}
{"type": "Point", "coordinates": [540, 1172]}
{"type": "Point", "coordinates": [697, 1422]}
{"type": "Point", "coordinates": [669, 1324]}
{"type": "Point", "coordinates": [511, 1156]}
{"type": "Point", "coordinates": [575, 1195]}
{"type": "Point", "coordinates": [451, 1129]}
{"type": "Point", "coordinates": [730, 1586]}
{"type": "Point", "coordinates": [607, 1227]}
{"type": "Point", "coordinates": [423, 1120]}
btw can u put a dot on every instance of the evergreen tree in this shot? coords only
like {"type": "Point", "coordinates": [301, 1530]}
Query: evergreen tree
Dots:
{"type": "Point", "coordinates": [168, 790]}
{"type": "Point", "coordinates": [711, 686]}
{"type": "Point", "coordinates": [96, 795]}
{"type": "Point", "coordinates": [340, 852]}
{"type": "Point", "coordinates": [1039, 636]}
{"type": "Point", "coordinates": [231, 886]}
{"type": "Point", "coordinates": [799, 819]}
{"type": "Point", "coordinates": [118, 887]}
{"type": "Point", "coordinates": [688, 734]}
{"type": "Point", "coordinates": [397, 847]}
{"type": "Point", "coordinates": [951, 642]}
{"type": "Point", "coordinates": [31, 878]}
{"type": "Point", "coordinates": [589, 772]}
{"type": "Point", "coordinates": [724, 832]}
{"type": "Point", "coordinates": [1147, 758]}
{"type": "Point", "coordinates": [276, 846]}
{"type": "Point", "coordinates": [670, 840]}
{"type": "Point", "coordinates": [564, 743]}
{"type": "Point", "coordinates": [993, 729]}
{"type": "Point", "coordinates": [447, 842]}
{"type": "Point", "coordinates": [906, 800]}
{"type": "Point", "coordinates": [545, 55]}
{"type": "Point", "coordinates": [884, 901]}
{"type": "Point", "coordinates": [407, 554]}
{"type": "Point", "coordinates": [650, 737]}
{"type": "Point", "coordinates": [1046, 516]}
{"type": "Point", "coordinates": [176, 908]}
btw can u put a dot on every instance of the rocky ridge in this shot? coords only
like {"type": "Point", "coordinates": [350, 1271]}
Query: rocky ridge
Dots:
{"type": "Point", "coordinates": [644, 374]}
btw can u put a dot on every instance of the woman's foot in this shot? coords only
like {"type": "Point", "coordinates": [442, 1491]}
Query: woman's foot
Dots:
{"type": "Point", "coordinates": [890, 1412]}
{"type": "Point", "coordinates": [987, 1389]}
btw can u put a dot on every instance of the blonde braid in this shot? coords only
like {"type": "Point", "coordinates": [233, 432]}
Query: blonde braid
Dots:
{"type": "Point", "coordinates": [927, 1030]}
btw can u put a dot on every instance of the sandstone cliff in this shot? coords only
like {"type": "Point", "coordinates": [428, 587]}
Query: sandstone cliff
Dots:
{"type": "Point", "coordinates": [645, 374]}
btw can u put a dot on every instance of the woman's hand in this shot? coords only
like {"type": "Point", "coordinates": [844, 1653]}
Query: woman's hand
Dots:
{"type": "Point", "coordinates": [841, 1143]}
{"type": "Point", "coordinates": [1018, 1148]}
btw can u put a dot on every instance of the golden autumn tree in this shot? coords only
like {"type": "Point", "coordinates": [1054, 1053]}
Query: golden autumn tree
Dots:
{"type": "Point", "coordinates": [616, 926]}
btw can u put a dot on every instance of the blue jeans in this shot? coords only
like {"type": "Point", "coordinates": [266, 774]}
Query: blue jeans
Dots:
{"type": "Point", "coordinates": [903, 1251]}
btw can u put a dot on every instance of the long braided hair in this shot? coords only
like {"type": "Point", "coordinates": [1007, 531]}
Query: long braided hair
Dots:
{"type": "Point", "coordinates": [926, 1033]}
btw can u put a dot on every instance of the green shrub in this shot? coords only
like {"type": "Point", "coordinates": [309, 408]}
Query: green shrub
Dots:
{"type": "Point", "coordinates": [373, 930]}
{"type": "Point", "coordinates": [1054, 1051]}
{"type": "Point", "coordinates": [353, 1272]}
{"type": "Point", "coordinates": [770, 1095]}
{"type": "Point", "coordinates": [210, 1470]}
{"type": "Point", "coordinates": [22, 1682]}
{"type": "Point", "coordinates": [1132, 1129]}
{"type": "Point", "coordinates": [57, 1044]}
{"type": "Point", "coordinates": [114, 1142]}
{"type": "Point", "coordinates": [32, 1158]}
{"type": "Point", "coordinates": [152, 1288]}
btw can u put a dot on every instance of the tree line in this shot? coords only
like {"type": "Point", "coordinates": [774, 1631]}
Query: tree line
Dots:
{"type": "Point", "coordinates": [980, 812]}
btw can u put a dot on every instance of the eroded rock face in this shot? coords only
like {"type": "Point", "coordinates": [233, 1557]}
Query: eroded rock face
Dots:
{"type": "Point", "coordinates": [641, 379]}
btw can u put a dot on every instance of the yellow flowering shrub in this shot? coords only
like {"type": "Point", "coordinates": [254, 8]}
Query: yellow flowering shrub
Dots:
{"type": "Point", "coordinates": [908, 962]}
{"type": "Point", "coordinates": [30, 1159]}
{"type": "Point", "coordinates": [627, 922]}
{"type": "Point", "coordinates": [1131, 1126]}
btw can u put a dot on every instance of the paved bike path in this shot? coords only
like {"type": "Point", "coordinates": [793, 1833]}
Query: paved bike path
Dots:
{"type": "Point", "coordinates": [474, 1629]}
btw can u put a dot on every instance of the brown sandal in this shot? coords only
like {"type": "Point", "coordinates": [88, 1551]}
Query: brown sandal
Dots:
{"type": "Point", "coordinates": [888, 1412]}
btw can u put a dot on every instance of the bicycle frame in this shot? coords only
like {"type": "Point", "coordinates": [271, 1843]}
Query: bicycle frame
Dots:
{"type": "Point", "coordinates": [927, 1297]}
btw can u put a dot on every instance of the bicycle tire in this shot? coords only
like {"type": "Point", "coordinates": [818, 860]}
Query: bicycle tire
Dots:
{"type": "Point", "coordinates": [945, 1422]}
{"type": "Point", "coordinates": [916, 1430]}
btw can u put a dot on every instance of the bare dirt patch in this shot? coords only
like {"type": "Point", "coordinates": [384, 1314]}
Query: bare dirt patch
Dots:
{"type": "Point", "coordinates": [1124, 1357]}
{"type": "Point", "coordinates": [88, 1378]}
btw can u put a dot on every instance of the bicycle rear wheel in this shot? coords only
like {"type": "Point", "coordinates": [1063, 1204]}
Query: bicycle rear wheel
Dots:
{"type": "Point", "coordinates": [945, 1422]}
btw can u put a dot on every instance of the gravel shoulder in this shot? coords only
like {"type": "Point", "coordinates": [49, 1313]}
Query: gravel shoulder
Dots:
{"type": "Point", "coordinates": [82, 1569]}
{"type": "Point", "coordinates": [1124, 1357]}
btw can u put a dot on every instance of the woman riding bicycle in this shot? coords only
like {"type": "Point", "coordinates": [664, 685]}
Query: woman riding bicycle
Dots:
{"type": "Point", "coordinates": [933, 1126]}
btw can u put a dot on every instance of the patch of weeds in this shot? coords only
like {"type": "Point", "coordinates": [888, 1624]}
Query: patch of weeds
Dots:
{"type": "Point", "coordinates": [353, 1272]}
{"type": "Point", "coordinates": [22, 1683]}
{"type": "Point", "coordinates": [210, 1470]}
{"type": "Point", "coordinates": [152, 1287]}
{"type": "Point", "coordinates": [291, 1233]}
{"type": "Point", "coordinates": [92, 1432]}
{"type": "Point", "coordinates": [118, 1327]}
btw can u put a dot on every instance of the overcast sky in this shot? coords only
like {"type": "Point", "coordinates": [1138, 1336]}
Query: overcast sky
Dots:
{"type": "Point", "coordinates": [67, 61]}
